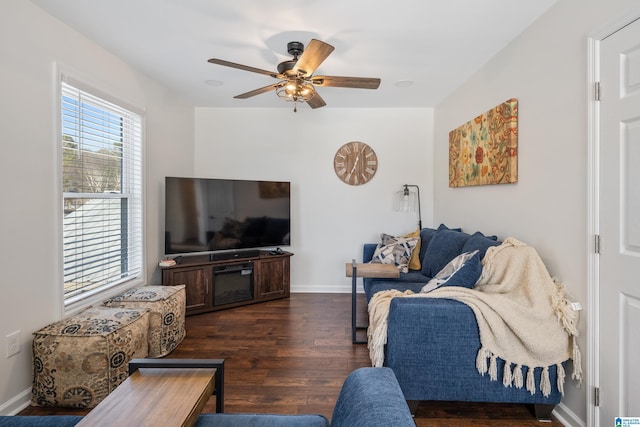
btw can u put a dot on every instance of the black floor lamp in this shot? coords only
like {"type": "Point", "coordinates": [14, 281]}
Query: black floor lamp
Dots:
{"type": "Point", "coordinates": [406, 201]}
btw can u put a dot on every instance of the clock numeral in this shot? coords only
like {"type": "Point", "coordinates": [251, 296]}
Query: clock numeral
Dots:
{"type": "Point", "coordinates": [369, 154]}
{"type": "Point", "coordinates": [342, 156]}
{"type": "Point", "coordinates": [340, 164]}
{"type": "Point", "coordinates": [372, 162]}
{"type": "Point", "coordinates": [355, 179]}
{"type": "Point", "coordinates": [369, 171]}
{"type": "Point", "coordinates": [342, 171]}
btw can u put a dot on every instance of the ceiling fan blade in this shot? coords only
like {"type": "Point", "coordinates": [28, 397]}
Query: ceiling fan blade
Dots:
{"type": "Point", "coordinates": [244, 67]}
{"type": "Point", "coordinates": [316, 101]}
{"type": "Point", "coordinates": [312, 57]}
{"type": "Point", "coordinates": [353, 82]}
{"type": "Point", "coordinates": [259, 91]}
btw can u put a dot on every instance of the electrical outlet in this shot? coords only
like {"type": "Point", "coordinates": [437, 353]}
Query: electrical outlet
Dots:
{"type": "Point", "coordinates": [13, 343]}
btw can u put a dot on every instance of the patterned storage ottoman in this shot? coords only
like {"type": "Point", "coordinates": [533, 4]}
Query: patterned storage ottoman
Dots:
{"type": "Point", "coordinates": [167, 305]}
{"type": "Point", "coordinates": [79, 360]}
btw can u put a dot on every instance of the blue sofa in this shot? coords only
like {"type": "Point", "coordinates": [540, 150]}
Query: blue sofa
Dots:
{"type": "Point", "coordinates": [369, 397]}
{"type": "Point", "coordinates": [432, 343]}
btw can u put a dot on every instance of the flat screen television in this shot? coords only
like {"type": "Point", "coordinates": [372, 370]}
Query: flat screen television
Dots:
{"type": "Point", "coordinates": [211, 215]}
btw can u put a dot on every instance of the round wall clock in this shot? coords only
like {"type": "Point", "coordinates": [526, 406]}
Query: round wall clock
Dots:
{"type": "Point", "coordinates": [355, 163]}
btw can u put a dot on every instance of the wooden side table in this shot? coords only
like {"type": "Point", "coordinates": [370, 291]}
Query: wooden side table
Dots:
{"type": "Point", "coordinates": [355, 270]}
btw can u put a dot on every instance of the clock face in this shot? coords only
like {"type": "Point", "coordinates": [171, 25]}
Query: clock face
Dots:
{"type": "Point", "coordinates": [355, 163]}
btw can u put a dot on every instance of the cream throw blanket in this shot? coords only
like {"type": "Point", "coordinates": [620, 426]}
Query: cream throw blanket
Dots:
{"type": "Point", "coordinates": [523, 315]}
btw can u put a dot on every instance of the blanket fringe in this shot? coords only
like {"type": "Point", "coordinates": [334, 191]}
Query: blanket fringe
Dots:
{"type": "Point", "coordinates": [481, 360]}
{"type": "Point", "coordinates": [577, 361]}
{"type": "Point", "coordinates": [507, 377]}
{"type": "Point", "coordinates": [487, 362]}
{"type": "Point", "coordinates": [518, 379]}
{"type": "Point", "coordinates": [561, 375]}
{"type": "Point", "coordinates": [531, 381]}
{"type": "Point", "coordinates": [545, 383]}
{"type": "Point", "coordinates": [493, 368]}
{"type": "Point", "coordinates": [568, 318]}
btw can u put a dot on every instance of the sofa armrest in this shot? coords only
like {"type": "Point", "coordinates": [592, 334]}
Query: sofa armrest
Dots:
{"type": "Point", "coordinates": [432, 346]}
{"type": "Point", "coordinates": [371, 397]}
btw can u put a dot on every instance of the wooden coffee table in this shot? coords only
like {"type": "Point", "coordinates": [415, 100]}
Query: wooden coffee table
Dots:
{"type": "Point", "coordinates": [156, 396]}
{"type": "Point", "coordinates": [355, 270]}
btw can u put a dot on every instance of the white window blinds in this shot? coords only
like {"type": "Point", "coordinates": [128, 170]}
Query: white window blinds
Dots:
{"type": "Point", "coordinates": [102, 192]}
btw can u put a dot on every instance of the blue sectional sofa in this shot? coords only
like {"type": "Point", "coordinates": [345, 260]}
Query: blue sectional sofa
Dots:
{"type": "Point", "coordinates": [432, 344]}
{"type": "Point", "coordinates": [369, 397]}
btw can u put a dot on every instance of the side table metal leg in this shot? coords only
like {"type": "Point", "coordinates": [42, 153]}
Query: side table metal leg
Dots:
{"type": "Point", "coordinates": [354, 277]}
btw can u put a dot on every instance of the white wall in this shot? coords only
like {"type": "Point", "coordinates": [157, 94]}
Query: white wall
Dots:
{"type": "Point", "coordinates": [30, 43]}
{"type": "Point", "coordinates": [546, 70]}
{"type": "Point", "coordinates": [330, 220]}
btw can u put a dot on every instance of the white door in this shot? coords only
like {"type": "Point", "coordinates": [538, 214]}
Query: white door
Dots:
{"type": "Point", "coordinates": [619, 208]}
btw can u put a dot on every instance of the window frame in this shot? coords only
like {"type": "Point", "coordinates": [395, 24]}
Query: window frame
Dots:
{"type": "Point", "coordinates": [81, 300]}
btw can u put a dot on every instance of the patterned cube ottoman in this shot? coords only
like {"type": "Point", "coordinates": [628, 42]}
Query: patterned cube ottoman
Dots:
{"type": "Point", "coordinates": [79, 360]}
{"type": "Point", "coordinates": [167, 305]}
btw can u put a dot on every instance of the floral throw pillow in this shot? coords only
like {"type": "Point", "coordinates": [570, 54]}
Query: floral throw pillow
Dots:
{"type": "Point", "coordinates": [464, 270]}
{"type": "Point", "coordinates": [395, 250]}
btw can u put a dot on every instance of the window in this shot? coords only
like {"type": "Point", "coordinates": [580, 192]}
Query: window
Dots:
{"type": "Point", "coordinates": [102, 192]}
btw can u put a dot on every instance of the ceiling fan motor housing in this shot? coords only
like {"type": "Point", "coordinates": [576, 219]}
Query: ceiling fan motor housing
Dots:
{"type": "Point", "coordinates": [295, 49]}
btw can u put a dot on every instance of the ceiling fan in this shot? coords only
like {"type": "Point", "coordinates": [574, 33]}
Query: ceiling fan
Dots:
{"type": "Point", "coordinates": [297, 82]}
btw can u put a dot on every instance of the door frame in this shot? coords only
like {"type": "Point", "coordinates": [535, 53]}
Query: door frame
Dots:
{"type": "Point", "coordinates": [594, 40]}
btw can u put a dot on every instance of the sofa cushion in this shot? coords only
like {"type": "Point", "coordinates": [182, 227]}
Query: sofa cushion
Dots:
{"type": "Point", "coordinates": [444, 246]}
{"type": "Point", "coordinates": [414, 261]}
{"type": "Point", "coordinates": [395, 250]}
{"type": "Point", "coordinates": [413, 279]}
{"type": "Point", "coordinates": [480, 242]}
{"type": "Point", "coordinates": [426, 234]}
{"type": "Point", "coordinates": [387, 284]}
{"type": "Point", "coordinates": [464, 270]}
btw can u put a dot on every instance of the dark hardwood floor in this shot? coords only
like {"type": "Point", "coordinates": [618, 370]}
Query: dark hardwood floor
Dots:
{"type": "Point", "coordinates": [291, 356]}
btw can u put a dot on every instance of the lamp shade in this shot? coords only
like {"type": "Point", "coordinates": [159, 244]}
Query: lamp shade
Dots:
{"type": "Point", "coordinates": [407, 200]}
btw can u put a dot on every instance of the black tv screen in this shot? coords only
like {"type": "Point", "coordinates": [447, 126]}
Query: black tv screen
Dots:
{"type": "Point", "coordinates": [204, 215]}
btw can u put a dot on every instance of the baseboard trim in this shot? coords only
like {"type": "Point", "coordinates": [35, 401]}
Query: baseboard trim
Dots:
{"type": "Point", "coordinates": [322, 289]}
{"type": "Point", "coordinates": [17, 403]}
{"type": "Point", "coordinates": [567, 417]}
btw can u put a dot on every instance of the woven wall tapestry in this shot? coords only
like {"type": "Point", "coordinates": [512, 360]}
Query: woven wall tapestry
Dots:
{"type": "Point", "coordinates": [485, 150]}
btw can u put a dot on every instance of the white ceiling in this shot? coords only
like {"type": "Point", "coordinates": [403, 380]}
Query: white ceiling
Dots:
{"type": "Point", "coordinates": [436, 45]}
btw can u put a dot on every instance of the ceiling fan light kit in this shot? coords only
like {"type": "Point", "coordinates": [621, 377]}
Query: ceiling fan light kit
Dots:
{"type": "Point", "coordinates": [297, 83]}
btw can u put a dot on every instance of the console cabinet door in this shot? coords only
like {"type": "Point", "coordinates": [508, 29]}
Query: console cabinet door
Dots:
{"type": "Point", "coordinates": [197, 284]}
{"type": "Point", "coordinates": [273, 278]}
